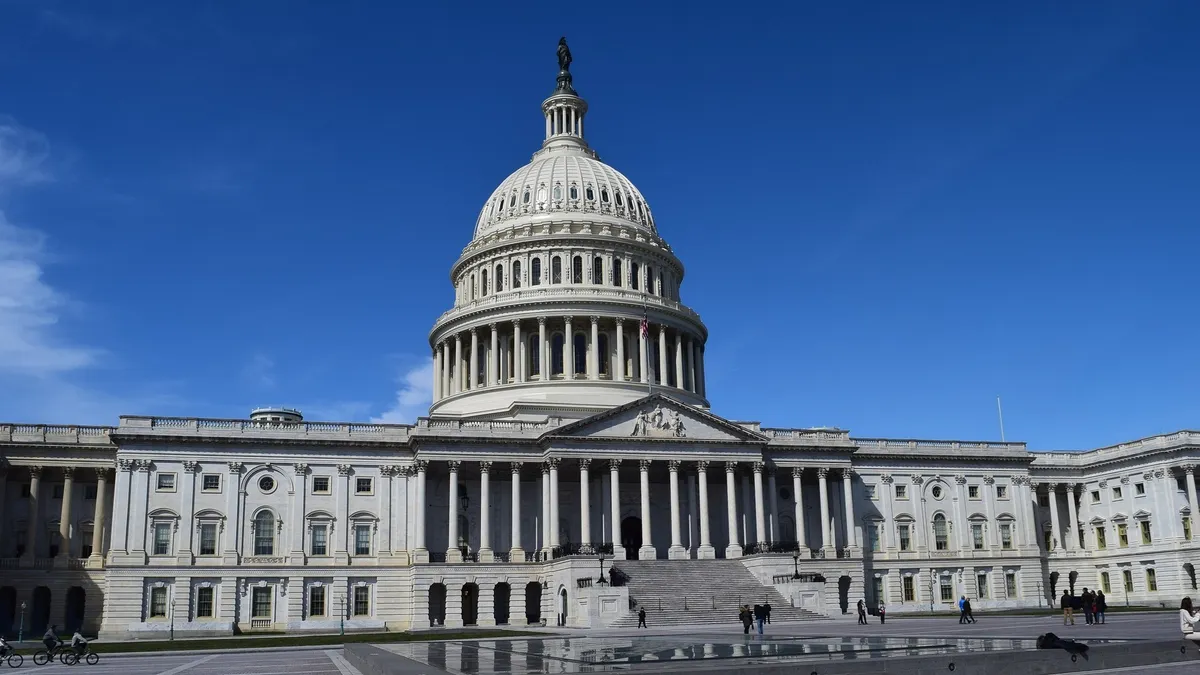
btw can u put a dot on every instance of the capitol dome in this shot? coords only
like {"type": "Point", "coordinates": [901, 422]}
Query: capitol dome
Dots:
{"type": "Point", "coordinates": [566, 299]}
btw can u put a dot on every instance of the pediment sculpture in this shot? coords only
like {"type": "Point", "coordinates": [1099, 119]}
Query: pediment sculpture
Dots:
{"type": "Point", "coordinates": [658, 423]}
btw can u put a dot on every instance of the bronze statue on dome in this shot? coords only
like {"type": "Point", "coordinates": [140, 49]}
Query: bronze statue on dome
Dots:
{"type": "Point", "coordinates": [564, 69]}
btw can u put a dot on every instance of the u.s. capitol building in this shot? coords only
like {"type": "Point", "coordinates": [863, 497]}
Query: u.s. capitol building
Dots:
{"type": "Point", "coordinates": [570, 423]}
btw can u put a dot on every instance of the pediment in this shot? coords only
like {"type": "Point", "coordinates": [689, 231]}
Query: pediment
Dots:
{"type": "Point", "coordinates": [1097, 521]}
{"type": "Point", "coordinates": [658, 417]}
{"type": "Point", "coordinates": [1141, 513]}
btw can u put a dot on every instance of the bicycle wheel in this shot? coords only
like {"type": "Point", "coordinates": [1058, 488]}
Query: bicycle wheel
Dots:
{"type": "Point", "coordinates": [15, 661]}
{"type": "Point", "coordinates": [93, 658]}
{"type": "Point", "coordinates": [41, 657]}
{"type": "Point", "coordinates": [62, 657]}
{"type": "Point", "coordinates": [70, 658]}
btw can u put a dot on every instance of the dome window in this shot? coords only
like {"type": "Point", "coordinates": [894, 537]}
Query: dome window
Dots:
{"type": "Point", "coordinates": [577, 270]}
{"type": "Point", "coordinates": [556, 270]}
{"type": "Point", "coordinates": [512, 201]}
{"type": "Point", "coordinates": [574, 192]}
{"type": "Point", "coordinates": [536, 272]}
{"type": "Point", "coordinates": [633, 276]}
{"type": "Point", "coordinates": [556, 353]}
{"type": "Point", "coordinates": [525, 197]}
{"type": "Point", "coordinates": [604, 195]}
{"type": "Point", "coordinates": [557, 192]}
{"type": "Point", "coordinates": [499, 278]}
{"type": "Point", "coordinates": [581, 354]}
{"type": "Point", "coordinates": [597, 270]}
{"type": "Point", "coordinates": [620, 202]}
{"type": "Point", "coordinates": [516, 275]}
{"type": "Point", "coordinates": [590, 194]}
{"type": "Point", "coordinates": [541, 195]}
{"type": "Point", "coordinates": [616, 269]}
{"type": "Point", "coordinates": [483, 285]}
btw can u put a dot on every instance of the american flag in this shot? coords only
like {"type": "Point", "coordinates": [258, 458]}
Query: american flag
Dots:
{"type": "Point", "coordinates": [645, 327]}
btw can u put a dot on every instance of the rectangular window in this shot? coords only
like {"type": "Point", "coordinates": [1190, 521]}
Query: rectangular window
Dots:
{"type": "Point", "coordinates": [1043, 499]}
{"type": "Point", "coordinates": [362, 601]}
{"type": "Point", "coordinates": [1145, 525]}
{"type": "Point", "coordinates": [910, 593]}
{"type": "Point", "coordinates": [901, 492]}
{"type": "Point", "coordinates": [316, 601]}
{"type": "Point", "coordinates": [1101, 538]}
{"type": "Point", "coordinates": [1001, 492]}
{"type": "Point", "coordinates": [210, 482]}
{"type": "Point", "coordinates": [1010, 584]}
{"type": "Point", "coordinates": [158, 602]}
{"type": "Point", "coordinates": [319, 542]}
{"type": "Point", "coordinates": [89, 491]}
{"type": "Point", "coordinates": [362, 540]}
{"type": "Point", "coordinates": [165, 482]}
{"type": "Point", "coordinates": [162, 538]}
{"type": "Point", "coordinates": [1116, 493]}
{"type": "Point", "coordinates": [1006, 535]}
{"type": "Point", "coordinates": [1139, 489]}
{"type": "Point", "coordinates": [1151, 580]}
{"type": "Point", "coordinates": [320, 485]}
{"type": "Point", "coordinates": [1105, 583]}
{"type": "Point", "coordinates": [204, 603]}
{"type": "Point", "coordinates": [1122, 535]}
{"type": "Point", "coordinates": [208, 538]}
{"type": "Point", "coordinates": [1187, 528]}
{"type": "Point", "coordinates": [903, 529]}
{"type": "Point", "coordinates": [873, 536]}
{"type": "Point", "coordinates": [1127, 576]}
{"type": "Point", "coordinates": [362, 486]}
{"type": "Point", "coordinates": [973, 491]}
{"type": "Point", "coordinates": [981, 585]}
{"type": "Point", "coordinates": [1095, 496]}
{"type": "Point", "coordinates": [977, 535]}
{"type": "Point", "coordinates": [947, 590]}
{"type": "Point", "coordinates": [85, 548]}
{"type": "Point", "coordinates": [261, 602]}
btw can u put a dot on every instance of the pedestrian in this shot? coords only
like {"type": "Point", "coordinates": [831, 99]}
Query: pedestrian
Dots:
{"type": "Point", "coordinates": [962, 609]}
{"type": "Point", "coordinates": [1188, 619]}
{"type": "Point", "coordinates": [862, 612]}
{"type": "Point", "coordinates": [882, 614]}
{"type": "Point", "coordinates": [1065, 603]}
{"type": "Point", "coordinates": [1101, 606]}
{"type": "Point", "coordinates": [967, 611]}
{"type": "Point", "coordinates": [642, 618]}
{"type": "Point", "coordinates": [746, 618]}
{"type": "Point", "coordinates": [767, 612]}
{"type": "Point", "coordinates": [1087, 606]}
{"type": "Point", "coordinates": [760, 617]}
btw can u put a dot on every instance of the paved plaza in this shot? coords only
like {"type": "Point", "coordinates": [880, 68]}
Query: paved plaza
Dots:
{"type": "Point", "coordinates": [245, 662]}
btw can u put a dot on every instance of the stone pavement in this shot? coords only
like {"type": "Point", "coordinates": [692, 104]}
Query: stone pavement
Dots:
{"type": "Point", "coordinates": [248, 662]}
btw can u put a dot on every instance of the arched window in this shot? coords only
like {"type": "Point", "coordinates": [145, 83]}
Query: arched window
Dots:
{"type": "Point", "coordinates": [620, 202]}
{"type": "Point", "coordinates": [483, 284]}
{"type": "Point", "coordinates": [604, 195]}
{"type": "Point", "coordinates": [577, 270]}
{"type": "Point", "coordinates": [616, 272]}
{"type": "Point", "coordinates": [525, 197]}
{"type": "Point", "coordinates": [535, 355]}
{"type": "Point", "coordinates": [541, 193]}
{"type": "Point", "coordinates": [939, 532]}
{"type": "Point", "coordinates": [580, 354]}
{"type": "Point", "coordinates": [589, 194]}
{"type": "Point", "coordinates": [472, 285]}
{"type": "Point", "coordinates": [499, 278]}
{"type": "Point", "coordinates": [512, 201]}
{"type": "Point", "coordinates": [597, 270]}
{"type": "Point", "coordinates": [556, 270]}
{"type": "Point", "coordinates": [573, 192]}
{"type": "Point", "coordinates": [633, 276]}
{"type": "Point", "coordinates": [556, 354]}
{"type": "Point", "coordinates": [536, 272]}
{"type": "Point", "coordinates": [649, 279]}
{"type": "Point", "coordinates": [557, 192]}
{"type": "Point", "coordinates": [604, 355]}
{"type": "Point", "coordinates": [641, 213]}
{"type": "Point", "coordinates": [264, 533]}
{"type": "Point", "coordinates": [516, 275]}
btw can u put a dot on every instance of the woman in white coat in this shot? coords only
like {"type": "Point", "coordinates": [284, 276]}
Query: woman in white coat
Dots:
{"type": "Point", "coordinates": [1188, 620]}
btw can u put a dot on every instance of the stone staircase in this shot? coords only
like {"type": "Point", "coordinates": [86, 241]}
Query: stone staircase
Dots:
{"type": "Point", "coordinates": [678, 592]}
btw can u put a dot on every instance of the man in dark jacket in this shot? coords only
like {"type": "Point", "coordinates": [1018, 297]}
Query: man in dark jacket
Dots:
{"type": "Point", "coordinates": [642, 618]}
{"type": "Point", "coordinates": [767, 612]}
{"type": "Point", "coordinates": [1065, 602]}
{"type": "Point", "coordinates": [862, 613]}
{"type": "Point", "coordinates": [970, 616]}
{"type": "Point", "coordinates": [1087, 606]}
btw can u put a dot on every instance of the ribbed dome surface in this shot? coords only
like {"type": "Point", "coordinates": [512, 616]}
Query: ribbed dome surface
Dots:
{"type": "Point", "coordinates": [563, 181]}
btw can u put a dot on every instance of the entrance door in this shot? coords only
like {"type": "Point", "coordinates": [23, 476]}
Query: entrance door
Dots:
{"type": "Point", "coordinates": [631, 537]}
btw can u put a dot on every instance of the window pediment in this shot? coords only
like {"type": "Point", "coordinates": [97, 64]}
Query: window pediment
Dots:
{"type": "Point", "coordinates": [1141, 514]}
{"type": "Point", "coordinates": [163, 514]}
{"type": "Point", "coordinates": [320, 515]}
{"type": "Point", "coordinates": [1118, 518]}
{"type": "Point", "coordinates": [1097, 521]}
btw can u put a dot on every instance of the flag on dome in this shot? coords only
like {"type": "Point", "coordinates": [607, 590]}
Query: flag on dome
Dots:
{"type": "Point", "coordinates": [645, 327]}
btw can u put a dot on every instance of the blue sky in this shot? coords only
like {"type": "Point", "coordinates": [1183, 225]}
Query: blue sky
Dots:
{"type": "Point", "coordinates": [905, 209]}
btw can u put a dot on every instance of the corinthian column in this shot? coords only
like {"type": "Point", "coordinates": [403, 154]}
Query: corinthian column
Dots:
{"type": "Point", "coordinates": [614, 506]}
{"type": "Point", "coordinates": [34, 510]}
{"type": "Point", "coordinates": [473, 376]}
{"type": "Point", "coordinates": [516, 553]}
{"type": "Point", "coordinates": [619, 366]}
{"type": "Point", "coordinates": [1072, 533]}
{"type": "Point", "coordinates": [594, 352]}
{"type": "Point", "coordinates": [543, 351]}
{"type": "Point", "coordinates": [647, 552]}
{"type": "Point", "coordinates": [64, 518]}
{"type": "Point", "coordinates": [662, 356]}
{"type": "Point", "coordinates": [679, 360]}
{"type": "Point", "coordinates": [797, 476]}
{"type": "Point", "coordinates": [848, 497]}
{"type": "Point", "coordinates": [554, 520]}
{"type": "Point", "coordinates": [519, 355]}
{"type": "Point", "coordinates": [760, 521]}
{"type": "Point", "coordinates": [823, 484]}
{"type": "Point", "coordinates": [493, 377]}
{"type": "Point", "coordinates": [642, 355]}
{"type": "Point", "coordinates": [732, 549]}
{"type": "Point", "coordinates": [98, 519]}
{"type": "Point", "coordinates": [485, 513]}
{"type": "Point", "coordinates": [585, 506]}
{"type": "Point", "coordinates": [453, 553]}
{"type": "Point", "coordinates": [568, 348]}
{"type": "Point", "coordinates": [705, 551]}
{"type": "Point", "coordinates": [676, 551]}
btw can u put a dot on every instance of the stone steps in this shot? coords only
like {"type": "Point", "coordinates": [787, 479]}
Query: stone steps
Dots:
{"type": "Point", "coordinates": [676, 592]}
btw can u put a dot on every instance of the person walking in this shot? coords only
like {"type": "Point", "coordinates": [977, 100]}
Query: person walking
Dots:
{"type": "Point", "coordinates": [962, 609]}
{"type": "Point", "coordinates": [767, 612]}
{"type": "Point", "coordinates": [642, 618]}
{"type": "Point", "coordinates": [1065, 603]}
{"type": "Point", "coordinates": [967, 611]}
{"type": "Point", "coordinates": [746, 618]}
{"type": "Point", "coordinates": [1101, 607]}
{"type": "Point", "coordinates": [882, 613]}
{"type": "Point", "coordinates": [760, 617]}
{"type": "Point", "coordinates": [862, 612]}
{"type": "Point", "coordinates": [1087, 606]}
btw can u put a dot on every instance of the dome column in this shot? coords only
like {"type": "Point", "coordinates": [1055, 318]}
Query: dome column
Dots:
{"type": "Point", "coordinates": [543, 351]}
{"type": "Point", "coordinates": [679, 383]}
{"type": "Point", "coordinates": [642, 352]}
{"type": "Point", "coordinates": [619, 366]}
{"type": "Point", "coordinates": [458, 363]}
{"type": "Point", "coordinates": [691, 359]}
{"type": "Point", "coordinates": [568, 349]}
{"type": "Point", "coordinates": [662, 355]}
{"type": "Point", "coordinates": [494, 358]}
{"type": "Point", "coordinates": [594, 356]}
{"type": "Point", "coordinates": [473, 375]}
{"type": "Point", "coordinates": [437, 373]}
{"type": "Point", "coordinates": [700, 370]}
{"type": "Point", "coordinates": [444, 367]}
{"type": "Point", "coordinates": [519, 351]}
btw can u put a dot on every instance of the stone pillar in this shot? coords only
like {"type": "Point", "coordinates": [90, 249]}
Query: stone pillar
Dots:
{"type": "Point", "coordinates": [485, 514]}
{"type": "Point", "coordinates": [706, 550]}
{"type": "Point", "coordinates": [493, 361]}
{"type": "Point", "coordinates": [679, 360]}
{"type": "Point", "coordinates": [647, 552]}
{"type": "Point", "coordinates": [1055, 528]}
{"type": "Point", "coordinates": [341, 515]}
{"type": "Point", "coordinates": [98, 518]}
{"type": "Point", "coordinates": [554, 519]}
{"type": "Point", "coordinates": [662, 356]}
{"type": "Point", "coordinates": [1189, 473]}
{"type": "Point", "coordinates": [594, 352]}
{"type": "Point", "coordinates": [473, 375]}
{"type": "Point", "coordinates": [614, 506]}
{"type": "Point", "coordinates": [420, 552]}
{"type": "Point", "coordinates": [64, 518]}
{"type": "Point", "coordinates": [545, 547]}
{"type": "Point", "coordinates": [772, 506]}
{"type": "Point", "coordinates": [848, 497]}
{"type": "Point", "coordinates": [187, 512]}
{"type": "Point", "coordinates": [137, 509]}
{"type": "Point", "coordinates": [458, 364]}
{"type": "Point", "coordinates": [543, 351]}
{"type": "Point", "coordinates": [732, 549]}
{"type": "Point", "coordinates": [585, 506]}
{"type": "Point", "coordinates": [568, 350]}
{"type": "Point", "coordinates": [387, 476]}
{"type": "Point", "coordinates": [676, 551]}
{"type": "Point", "coordinates": [691, 359]}
{"type": "Point", "coordinates": [642, 352]}
{"type": "Point", "coordinates": [1072, 535]}
{"type": "Point", "coordinates": [619, 366]}
{"type": "Point", "coordinates": [453, 553]}
{"type": "Point", "coordinates": [230, 554]}
{"type": "Point", "coordinates": [700, 383]}
{"type": "Point", "coordinates": [760, 520]}
{"type": "Point", "coordinates": [34, 511]}
{"type": "Point", "coordinates": [520, 355]}
{"type": "Point", "coordinates": [444, 366]}
{"type": "Point", "coordinates": [693, 518]}
{"type": "Point", "coordinates": [823, 483]}
{"type": "Point", "coordinates": [797, 479]}
{"type": "Point", "coordinates": [437, 373]}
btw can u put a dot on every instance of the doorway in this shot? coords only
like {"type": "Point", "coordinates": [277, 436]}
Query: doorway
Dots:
{"type": "Point", "coordinates": [631, 537]}
{"type": "Point", "coordinates": [533, 602]}
{"type": "Point", "coordinates": [501, 601]}
{"type": "Point", "coordinates": [437, 605]}
{"type": "Point", "coordinates": [562, 607]}
{"type": "Point", "coordinates": [470, 604]}
{"type": "Point", "coordinates": [39, 617]}
{"type": "Point", "coordinates": [74, 614]}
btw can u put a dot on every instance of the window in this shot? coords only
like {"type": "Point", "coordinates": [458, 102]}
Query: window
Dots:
{"type": "Point", "coordinates": [557, 192]}
{"type": "Point", "coordinates": [1095, 496]}
{"type": "Point", "coordinates": [204, 602]}
{"type": "Point", "coordinates": [577, 270]}
{"type": "Point", "coordinates": [634, 278]}
{"type": "Point", "coordinates": [158, 602]}
{"type": "Point", "coordinates": [947, 589]}
{"type": "Point", "coordinates": [616, 270]}
{"type": "Point", "coordinates": [1006, 535]}
{"type": "Point", "coordinates": [1122, 535]}
{"type": "Point", "coordinates": [320, 485]}
{"type": "Point", "coordinates": [1145, 527]}
{"type": "Point", "coordinates": [939, 532]}
{"type": "Point", "coordinates": [1043, 499]}
{"type": "Point", "coordinates": [516, 275]}
{"type": "Point", "coordinates": [973, 492]}
{"type": "Point", "coordinates": [316, 601]}
{"type": "Point", "coordinates": [649, 279]}
{"type": "Point", "coordinates": [362, 601]}
{"type": "Point", "coordinates": [1001, 492]}
{"type": "Point", "coordinates": [208, 538]}
{"type": "Point", "coordinates": [266, 484]}
{"type": "Point", "coordinates": [499, 278]}
{"type": "Point", "coordinates": [937, 492]}
{"type": "Point", "coordinates": [319, 544]}
{"type": "Point", "coordinates": [556, 270]}
{"type": "Point", "coordinates": [1101, 538]}
{"type": "Point", "coordinates": [541, 194]}
{"type": "Point", "coordinates": [362, 540]}
{"type": "Point", "coordinates": [1187, 528]}
{"type": "Point", "coordinates": [977, 536]}
{"type": "Point", "coordinates": [1116, 493]}
{"type": "Point", "coordinates": [981, 585]}
{"type": "Point", "coordinates": [904, 541]}
{"type": "Point", "coordinates": [483, 283]}
{"type": "Point", "coordinates": [165, 482]}
{"type": "Point", "coordinates": [901, 492]}
{"type": "Point", "coordinates": [362, 486]}
{"type": "Point", "coordinates": [261, 602]}
{"type": "Point", "coordinates": [210, 482]}
{"type": "Point", "coordinates": [870, 491]}
{"type": "Point", "coordinates": [472, 286]}
{"type": "Point", "coordinates": [556, 354]}
{"type": "Point", "coordinates": [598, 270]}
{"type": "Point", "coordinates": [512, 200]}
{"type": "Point", "coordinates": [581, 354]}
{"type": "Point", "coordinates": [573, 193]}
{"type": "Point", "coordinates": [535, 355]}
{"type": "Point", "coordinates": [535, 272]}
{"type": "Point", "coordinates": [89, 491]}
{"type": "Point", "coordinates": [877, 590]}
{"type": "Point", "coordinates": [1139, 489]}
{"type": "Point", "coordinates": [264, 533]}
{"type": "Point", "coordinates": [55, 540]}
{"type": "Point", "coordinates": [910, 593]}
{"type": "Point", "coordinates": [525, 196]}
{"type": "Point", "coordinates": [1127, 577]}
{"type": "Point", "coordinates": [873, 536]}
{"type": "Point", "coordinates": [1010, 584]}
{"type": "Point", "coordinates": [603, 354]}
{"type": "Point", "coordinates": [589, 194]}
{"type": "Point", "coordinates": [162, 538]}
{"type": "Point", "coordinates": [1105, 583]}
{"type": "Point", "coordinates": [85, 547]}
{"type": "Point", "coordinates": [1151, 580]}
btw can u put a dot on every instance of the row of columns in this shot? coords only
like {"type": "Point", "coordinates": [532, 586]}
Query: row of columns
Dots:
{"type": "Point", "coordinates": [456, 369]}
{"type": "Point", "coordinates": [64, 522]}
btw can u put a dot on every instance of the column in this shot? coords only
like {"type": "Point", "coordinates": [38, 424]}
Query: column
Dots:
{"type": "Point", "coordinates": [772, 506]}
{"type": "Point", "coordinates": [545, 547]}
{"type": "Point", "coordinates": [230, 554]}
{"type": "Point", "coordinates": [614, 506]}
{"type": "Point", "coordinates": [1072, 534]}
{"type": "Point", "coordinates": [585, 506]}
{"type": "Point", "coordinates": [963, 528]}
{"type": "Point", "coordinates": [642, 354]}
{"type": "Point", "coordinates": [516, 553]}
{"type": "Point", "coordinates": [647, 552]}
{"type": "Point", "coordinates": [437, 373]}
{"type": "Point", "coordinates": [568, 350]}
{"type": "Point", "coordinates": [594, 352]}
{"type": "Point", "coordinates": [520, 354]}
{"type": "Point", "coordinates": [458, 360]}
{"type": "Point", "coordinates": [732, 549]}
{"type": "Point", "coordinates": [760, 516]}
{"type": "Point", "coordinates": [797, 478]}
{"type": "Point", "coordinates": [823, 483]}
{"type": "Point", "coordinates": [420, 553]}
{"type": "Point", "coordinates": [341, 514]}
{"type": "Point", "coordinates": [140, 490]}
{"type": "Point", "coordinates": [748, 534]}
{"type": "Point", "coordinates": [444, 365]}
{"type": "Point", "coordinates": [848, 497]}
{"type": "Point", "coordinates": [34, 511]}
{"type": "Point", "coordinates": [676, 551]}
{"type": "Point", "coordinates": [64, 518]}
{"type": "Point", "coordinates": [543, 351]}
{"type": "Point", "coordinates": [662, 356]}
{"type": "Point", "coordinates": [693, 518]}
{"type": "Point", "coordinates": [679, 360]}
{"type": "Point", "coordinates": [619, 366]}
{"type": "Point", "coordinates": [99, 517]}
{"type": "Point", "coordinates": [493, 375]}
{"type": "Point", "coordinates": [485, 513]}
{"type": "Point", "coordinates": [700, 383]}
{"type": "Point", "coordinates": [453, 553]}
{"type": "Point", "coordinates": [691, 358]}
{"type": "Point", "coordinates": [1190, 476]}
{"type": "Point", "coordinates": [187, 511]}
{"type": "Point", "coordinates": [473, 374]}
{"type": "Point", "coordinates": [387, 476]}
{"type": "Point", "coordinates": [1055, 528]}
{"type": "Point", "coordinates": [555, 521]}
{"type": "Point", "coordinates": [705, 551]}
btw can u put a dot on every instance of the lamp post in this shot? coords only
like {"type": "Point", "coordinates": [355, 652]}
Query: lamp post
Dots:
{"type": "Point", "coordinates": [602, 580]}
{"type": "Point", "coordinates": [21, 629]}
{"type": "Point", "coordinates": [172, 618]}
{"type": "Point", "coordinates": [342, 615]}
{"type": "Point", "coordinates": [796, 564]}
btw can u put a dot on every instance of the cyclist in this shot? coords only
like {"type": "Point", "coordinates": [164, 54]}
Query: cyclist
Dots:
{"type": "Point", "coordinates": [78, 643]}
{"type": "Point", "coordinates": [51, 640]}
{"type": "Point", "coordinates": [5, 648]}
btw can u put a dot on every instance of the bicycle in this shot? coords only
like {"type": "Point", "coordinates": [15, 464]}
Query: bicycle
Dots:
{"type": "Point", "coordinates": [43, 656]}
{"type": "Point", "coordinates": [14, 660]}
{"type": "Point", "coordinates": [70, 658]}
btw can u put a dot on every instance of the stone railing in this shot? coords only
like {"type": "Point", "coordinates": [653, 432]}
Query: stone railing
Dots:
{"type": "Point", "coordinates": [55, 433]}
{"type": "Point", "coordinates": [546, 293]}
{"type": "Point", "coordinates": [1112, 452]}
{"type": "Point", "coordinates": [222, 427]}
{"type": "Point", "coordinates": [806, 435]}
{"type": "Point", "coordinates": [491, 426]}
{"type": "Point", "coordinates": [953, 446]}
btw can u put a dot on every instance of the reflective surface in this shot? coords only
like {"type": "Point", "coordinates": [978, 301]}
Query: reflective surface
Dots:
{"type": "Point", "coordinates": [584, 654]}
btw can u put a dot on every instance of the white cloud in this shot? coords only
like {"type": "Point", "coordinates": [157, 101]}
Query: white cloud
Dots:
{"type": "Point", "coordinates": [260, 371]}
{"type": "Point", "coordinates": [23, 154]}
{"type": "Point", "coordinates": [413, 398]}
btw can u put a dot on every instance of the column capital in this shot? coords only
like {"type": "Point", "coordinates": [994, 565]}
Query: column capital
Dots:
{"type": "Point", "coordinates": [731, 467]}
{"type": "Point", "coordinates": [492, 325]}
{"type": "Point", "coordinates": [142, 465]}
{"type": "Point", "coordinates": [122, 465]}
{"type": "Point", "coordinates": [420, 466]}
{"type": "Point", "coordinates": [515, 467]}
{"type": "Point", "coordinates": [822, 471]}
{"type": "Point", "coordinates": [848, 473]}
{"type": "Point", "coordinates": [989, 480]}
{"type": "Point", "coordinates": [236, 467]}
{"type": "Point", "coordinates": [1187, 468]}
{"type": "Point", "coordinates": [345, 469]}
{"type": "Point", "coordinates": [101, 473]}
{"type": "Point", "coordinates": [673, 465]}
{"type": "Point", "coordinates": [553, 462]}
{"type": "Point", "coordinates": [770, 470]}
{"type": "Point", "coordinates": [516, 323]}
{"type": "Point", "coordinates": [614, 464]}
{"type": "Point", "coordinates": [190, 466]}
{"type": "Point", "coordinates": [662, 329]}
{"type": "Point", "coordinates": [404, 471]}
{"type": "Point", "coordinates": [68, 472]}
{"type": "Point", "coordinates": [918, 479]}
{"type": "Point", "coordinates": [595, 320]}
{"type": "Point", "coordinates": [757, 467]}
{"type": "Point", "coordinates": [960, 479]}
{"type": "Point", "coordinates": [584, 463]}
{"type": "Point", "coordinates": [702, 466]}
{"type": "Point", "coordinates": [797, 472]}
{"type": "Point", "coordinates": [1159, 473]}
{"type": "Point", "coordinates": [475, 329]}
{"type": "Point", "coordinates": [453, 465]}
{"type": "Point", "coordinates": [545, 468]}
{"type": "Point", "coordinates": [300, 468]}
{"type": "Point", "coordinates": [541, 321]}
{"type": "Point", "coordinates": [485, 467]}
{"type": "Point", "coordinates": [387, 470]}
{"type": "Point", "coordinates": [620, 321]}
{"type": "Point", "coordinates": [887, 479]}
{"type": "Point", "coordinates": [644, 464]}
{"type": "Point", "coordinates": [568, 318]}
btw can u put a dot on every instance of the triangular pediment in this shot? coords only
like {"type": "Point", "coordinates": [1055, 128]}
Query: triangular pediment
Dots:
{"type": "Point", "coordinates": [658, 417]}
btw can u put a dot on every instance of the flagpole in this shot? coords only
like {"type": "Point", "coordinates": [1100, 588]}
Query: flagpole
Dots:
{"type": "Point", "coordinates": [1000, 412]}
{"type": "Point", "coordinates": [646, 334]}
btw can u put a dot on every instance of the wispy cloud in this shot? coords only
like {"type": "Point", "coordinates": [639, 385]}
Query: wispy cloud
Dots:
{"type": "Point", "coordinates": [412, 398]}
{"type": "Point", "coordinates": [260, 371]}
{"type": "Point", "coordinates": [23, 155]}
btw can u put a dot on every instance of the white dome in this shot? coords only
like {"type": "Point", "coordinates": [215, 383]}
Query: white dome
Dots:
{"type": "Point", "coordinates": [564, 181]}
